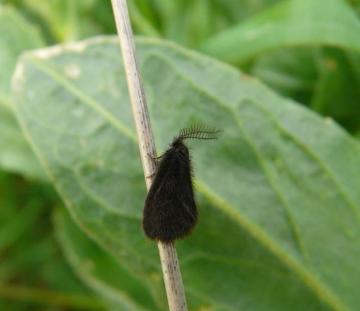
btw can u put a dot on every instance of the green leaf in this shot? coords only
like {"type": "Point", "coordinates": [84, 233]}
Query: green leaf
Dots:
{"type": "Point", "coordinates": [16, 36]}
{"type": "Point", "coordinates": [190, 22]}
{"type": "Point", "coordinates": [289, 23]}
{"type": "Point", "coordinates": [99, 270]}
{"type": "Point", "coordinates": [325, 79]}
{"type": "Point", "coordinates": [338, 90]}
{"type": "Point", "coordinates": [277, 193]}
{"type": "Point", "coordinates": [67, 20]}
{"type": "Point", "coordinates": [291, 72]}
{"type": "Point", "coordinates": [58, 16]}
{"type": "Point", "coordinates": [15, 154]}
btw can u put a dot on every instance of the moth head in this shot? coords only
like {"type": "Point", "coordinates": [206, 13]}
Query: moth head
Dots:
{"type": "Point", "coordinates": [179, 146]}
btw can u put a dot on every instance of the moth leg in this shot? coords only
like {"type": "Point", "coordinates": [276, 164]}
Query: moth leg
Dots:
{"type": "Point", "coordinates": [150, 176]}
{"type": "Point", "coordinates": [156, 160]}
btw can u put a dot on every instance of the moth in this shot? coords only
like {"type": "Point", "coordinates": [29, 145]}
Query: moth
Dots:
{"type": "Point", "coordinates": [170, 210]}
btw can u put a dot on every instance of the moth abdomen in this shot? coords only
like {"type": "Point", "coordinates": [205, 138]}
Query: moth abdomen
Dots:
{"type": "Point", "coordinates": [169, 230]}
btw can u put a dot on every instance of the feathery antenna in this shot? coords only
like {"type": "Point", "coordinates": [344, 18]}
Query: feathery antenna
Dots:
{"type": "Point", "coordinates": [199, 131]}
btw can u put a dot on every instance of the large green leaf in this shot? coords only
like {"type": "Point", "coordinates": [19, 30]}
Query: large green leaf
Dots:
{"type": "Point", "coordinates": [277, 193]}
{"type": "Point", "coordinates": [15, 154]}
{"type": "Point", "coordinates": [289, 23]}
{"type": "Point", "coordinates": [16, 36]}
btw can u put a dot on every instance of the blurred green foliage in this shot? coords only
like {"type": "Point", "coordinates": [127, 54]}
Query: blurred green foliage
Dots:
{"type": "Point", "coordinates": [33, 272]}
{"type": "Point", "coordinates": [318, 67]}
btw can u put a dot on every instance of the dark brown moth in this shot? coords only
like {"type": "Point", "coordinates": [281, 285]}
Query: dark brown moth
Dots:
{"type": "Point", "coordinates": [170, 210]}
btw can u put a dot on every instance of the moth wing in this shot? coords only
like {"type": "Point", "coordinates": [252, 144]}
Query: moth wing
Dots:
{"type": "Point", "coordinates": [170, 211]}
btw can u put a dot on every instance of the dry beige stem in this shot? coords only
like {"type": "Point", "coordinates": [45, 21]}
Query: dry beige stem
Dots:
{"type": "Point", "coordinates": [169, 261]}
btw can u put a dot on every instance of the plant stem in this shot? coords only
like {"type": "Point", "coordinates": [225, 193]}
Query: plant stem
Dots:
{"type": "Point", "coordinates": [168, 256]}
